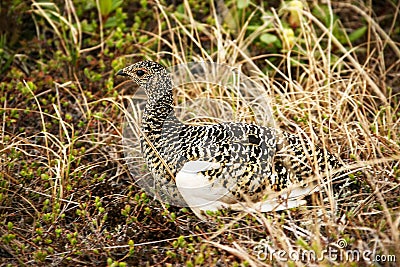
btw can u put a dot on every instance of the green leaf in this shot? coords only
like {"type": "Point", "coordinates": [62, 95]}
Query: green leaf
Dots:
{"type": "Point", "coordinates": [242, 3]}
{"type": "Point", "coordinates": [268, 38]}
{"type": "Point", "coordinates": [180, 9]}
{"type": "Point", "coordinates": [322, 13]}
{"type": "Point", "coordinates": [108, 6]}
{"type": "Point", "coordinates": [116, 4]}
{"type": "Point", "coordinates": [111, 22]}
{"type": "Point", "coordinates": [357, 34]}
{"type": "Point", "coordinates": [105, 7]}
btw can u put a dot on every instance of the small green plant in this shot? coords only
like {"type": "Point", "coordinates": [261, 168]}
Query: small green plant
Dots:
{"type": "Point", "coordinates": [331, 20]}
{"type": "Point", "coordinates": [66, 28]}
{"type": "Point", "coordinates": [108, 6]}
{"type": "Point", "coordinates": [69, 193]}
{"type": "Point", "coordinates": [6, 56]}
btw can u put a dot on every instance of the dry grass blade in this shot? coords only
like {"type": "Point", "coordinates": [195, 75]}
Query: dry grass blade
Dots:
{"type": "Point", "coordinates": [71, 183]}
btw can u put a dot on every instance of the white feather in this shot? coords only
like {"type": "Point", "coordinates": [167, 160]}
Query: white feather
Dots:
{"type": "Point", "coordinates": [202, 194]}
{"type": "Point", "coordinates": [199, 192]}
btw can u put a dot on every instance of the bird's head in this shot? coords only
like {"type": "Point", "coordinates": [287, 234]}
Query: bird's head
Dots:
{"type": "Point", "coordinates": [150, 75]}
{"type": "Point", "coordinates": [142, 71]}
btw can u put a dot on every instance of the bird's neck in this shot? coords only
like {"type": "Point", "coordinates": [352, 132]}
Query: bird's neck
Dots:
{"type": "Point", "coordinates": [159, 111]}
{"type": "Point", "coordinates": [158, 114]}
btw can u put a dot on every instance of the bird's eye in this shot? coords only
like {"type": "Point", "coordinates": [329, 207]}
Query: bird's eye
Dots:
{"type": "Point", "coordinates": [140, 73]}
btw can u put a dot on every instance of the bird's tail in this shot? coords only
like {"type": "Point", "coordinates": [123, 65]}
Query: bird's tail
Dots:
{"type": "Point", "coordinates": [298, 161]}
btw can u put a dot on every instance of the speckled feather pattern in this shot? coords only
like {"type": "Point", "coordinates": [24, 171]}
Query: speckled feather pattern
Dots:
{"type": "Point", "coordinates": [254, 160]}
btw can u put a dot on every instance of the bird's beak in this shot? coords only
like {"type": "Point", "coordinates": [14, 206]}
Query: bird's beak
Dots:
{"type": "Point", "coordinates": [122, 73]}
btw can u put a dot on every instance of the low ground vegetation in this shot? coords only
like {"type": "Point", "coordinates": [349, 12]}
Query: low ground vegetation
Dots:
{"type": "Point", "coordinates": [68, 196]}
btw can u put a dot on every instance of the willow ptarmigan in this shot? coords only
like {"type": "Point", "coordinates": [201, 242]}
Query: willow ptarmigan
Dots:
{"type": "Point", "coordinates": [226, 165]}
